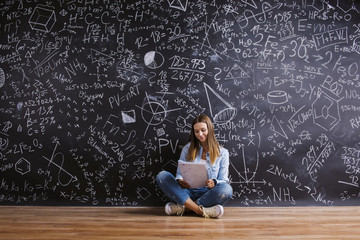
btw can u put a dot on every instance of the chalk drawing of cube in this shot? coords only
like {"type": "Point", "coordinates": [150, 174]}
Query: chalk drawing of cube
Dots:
{"type": "Point", "coordinates": [22, 166]}
{"type": "Point", "coordinates": [42, 19]}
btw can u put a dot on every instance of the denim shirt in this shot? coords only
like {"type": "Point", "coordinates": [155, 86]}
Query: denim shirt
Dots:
{"type": "Point", "coordinates": [220, 169]}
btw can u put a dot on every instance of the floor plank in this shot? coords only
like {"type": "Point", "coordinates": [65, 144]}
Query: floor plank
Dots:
{"type": "Point", "coordinates": [98, 223]}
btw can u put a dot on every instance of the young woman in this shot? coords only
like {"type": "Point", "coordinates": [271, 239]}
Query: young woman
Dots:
{"type": "Point", "coordinates": [205, 201]}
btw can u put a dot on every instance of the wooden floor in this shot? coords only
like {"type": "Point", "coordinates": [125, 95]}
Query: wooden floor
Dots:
{"type": "Point", "coordinates": [151, 223]}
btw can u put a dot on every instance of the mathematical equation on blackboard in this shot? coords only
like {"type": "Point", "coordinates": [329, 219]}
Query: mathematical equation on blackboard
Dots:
{"type": "Point", "coordinates": [98, 96]}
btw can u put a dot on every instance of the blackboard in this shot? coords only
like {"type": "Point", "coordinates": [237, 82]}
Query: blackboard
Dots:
{"type": "Point", "coordinates": [98, 96]}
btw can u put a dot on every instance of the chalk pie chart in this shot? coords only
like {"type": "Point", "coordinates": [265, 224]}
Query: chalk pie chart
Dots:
{"type": "Point", "coordinates": [153, 59]}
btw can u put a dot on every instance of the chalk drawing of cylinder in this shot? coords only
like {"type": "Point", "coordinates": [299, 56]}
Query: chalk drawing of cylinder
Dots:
{"type": "Point", "coordinates": [42, 19]}
{"type": "Point", "coordinates": [221, 111]}
{"type": "Point", "coordinates": [277, 97]}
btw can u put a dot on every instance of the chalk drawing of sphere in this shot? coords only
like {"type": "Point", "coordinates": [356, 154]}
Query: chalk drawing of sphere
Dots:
{"type": "Point", "coordinates": [2, 77]}
{"type": "Point", "coordinates": [153, 59]}
{"type": "Point", "coordinates": [153, 113]}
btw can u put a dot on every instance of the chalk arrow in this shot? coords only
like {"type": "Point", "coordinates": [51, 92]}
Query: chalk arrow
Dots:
{"type": "Point", "coordinates": [318, 57]}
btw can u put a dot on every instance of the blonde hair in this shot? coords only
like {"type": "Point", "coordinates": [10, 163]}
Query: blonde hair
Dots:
{"type": "Point", "coordinates": [213, 144]}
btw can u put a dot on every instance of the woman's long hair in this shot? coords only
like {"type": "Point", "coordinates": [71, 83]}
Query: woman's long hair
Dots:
{"type": "Point", "coordinates": [214, 146]}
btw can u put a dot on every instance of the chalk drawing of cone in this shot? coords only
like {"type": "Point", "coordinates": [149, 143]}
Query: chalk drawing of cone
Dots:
{"type": "Point", "coordinates": [221, 111]}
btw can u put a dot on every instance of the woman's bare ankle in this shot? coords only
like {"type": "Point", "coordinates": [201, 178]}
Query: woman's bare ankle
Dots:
{"type": "Point", "coordinates": [199, 211]}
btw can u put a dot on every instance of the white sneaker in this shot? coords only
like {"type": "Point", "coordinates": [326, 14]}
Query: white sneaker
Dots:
{"type": "Point", "coordinates": [173, 208]}
{"type": "Point", "coordinates": [212, 212]}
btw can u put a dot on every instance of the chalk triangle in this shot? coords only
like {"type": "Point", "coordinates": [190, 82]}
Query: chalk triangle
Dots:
{"type": "Point", "coordinates": [236, 72]}
{"type": "Point", "coordinates": [276, 127]}
{"type": "Point", "coordinates": [178, 4]}
{"type": "Point", "coordinates": [250, 2]}
{"type": "Point", "coordinates": [28, 55]}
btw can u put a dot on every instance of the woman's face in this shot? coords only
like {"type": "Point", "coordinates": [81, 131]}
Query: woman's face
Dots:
{"type": "Point", "coordinates": [201, 131]}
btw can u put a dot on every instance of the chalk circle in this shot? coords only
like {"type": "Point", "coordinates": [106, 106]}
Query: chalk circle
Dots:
{"type": "Point", "coordinates": [228, 45]}
{"type": "Point", "coordinates": [153, 113]}
{"type": "Point", "coordinates": [277, 97]}
{"type": "Point", "coordinates": [2, 77]}
{"type": "Point", "coordinates": [153, 59]}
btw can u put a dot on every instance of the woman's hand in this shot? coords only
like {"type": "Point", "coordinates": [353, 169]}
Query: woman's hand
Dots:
{"type": "Point", "coordinates": [210, 183]}
{"type": "Point", "coordinates": [183, 183]}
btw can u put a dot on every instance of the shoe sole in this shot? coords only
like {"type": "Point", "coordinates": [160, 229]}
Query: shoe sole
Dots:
{"type": "Point", "coordinates": [168, 209]}
{"type": "Point", "coordinates": [221, 208]}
